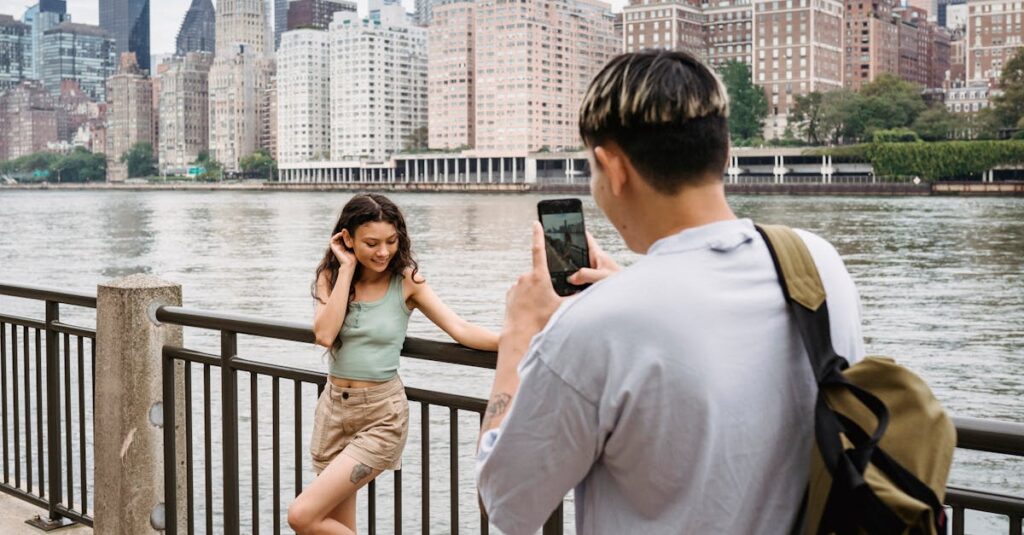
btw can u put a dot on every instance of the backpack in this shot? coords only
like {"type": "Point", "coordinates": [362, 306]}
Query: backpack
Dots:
{"type": "Point", "coordinates": [883, 445]}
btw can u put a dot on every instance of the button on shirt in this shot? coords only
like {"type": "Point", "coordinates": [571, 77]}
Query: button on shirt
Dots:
{"type": "Point", "coordinates": [675, 396]}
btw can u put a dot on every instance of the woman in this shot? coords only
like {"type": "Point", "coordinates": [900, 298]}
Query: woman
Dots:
{"type": "Point", "coordinates": [365, 289]}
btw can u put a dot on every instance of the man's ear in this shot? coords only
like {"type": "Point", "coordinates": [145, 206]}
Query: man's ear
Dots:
{"type": "Point", "coordinates": [613, 162]}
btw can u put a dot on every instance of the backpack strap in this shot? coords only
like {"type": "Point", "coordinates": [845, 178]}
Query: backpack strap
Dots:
{"type": "Point", "coordinates": [851, 500]}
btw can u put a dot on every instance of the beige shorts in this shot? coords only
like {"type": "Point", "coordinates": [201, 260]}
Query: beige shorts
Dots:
{"type": "Point", "coordinates": [368, 424]}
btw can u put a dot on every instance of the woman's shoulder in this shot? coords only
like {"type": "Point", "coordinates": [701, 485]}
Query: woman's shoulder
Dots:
{"type": "Point", "coordinates": [411, 277]}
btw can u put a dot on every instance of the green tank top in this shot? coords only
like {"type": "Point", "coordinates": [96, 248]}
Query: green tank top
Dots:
{"type": "Point", "coordinates": [372, 337]}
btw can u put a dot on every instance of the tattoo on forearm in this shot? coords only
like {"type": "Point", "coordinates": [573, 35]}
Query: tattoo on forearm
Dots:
{"type": "Point", "coordinates": [498, 405]}
{"type": "Point", "coordinates": [359, 472]}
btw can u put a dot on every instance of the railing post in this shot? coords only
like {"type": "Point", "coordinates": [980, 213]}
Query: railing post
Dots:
{"type": "Point", "coordinates": [229, 421]}
{"type": "Point", "coordinates": [54, 490]}
{"type": "Point", "coordinates": [555, 523]}
{"type": "Point", "coordinates": [128, 419]}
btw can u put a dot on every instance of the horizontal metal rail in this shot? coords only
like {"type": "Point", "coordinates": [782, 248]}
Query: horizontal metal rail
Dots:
{"type": "Point", "coordinates": [416, 348]}
{"type": "Point", "coordinates": [44, 293]}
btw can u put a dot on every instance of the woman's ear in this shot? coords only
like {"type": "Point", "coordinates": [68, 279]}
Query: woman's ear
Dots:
{"type": "Point", "coordinates": [347, 238]}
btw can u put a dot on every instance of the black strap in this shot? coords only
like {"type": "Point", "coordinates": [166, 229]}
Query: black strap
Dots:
{"type": "Point", "coordinates": [851, 502]}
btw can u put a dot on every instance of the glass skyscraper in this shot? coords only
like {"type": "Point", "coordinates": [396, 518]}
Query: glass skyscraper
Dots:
{"type": "Point", "coordinates": [128, 22]}
{"type": "Point", "coordinates": [198, 30]}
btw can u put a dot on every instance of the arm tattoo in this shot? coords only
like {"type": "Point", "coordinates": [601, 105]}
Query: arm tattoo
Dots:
{"type": "Point", "coordinates": [359, 472]}
{"type": "Point", "coordinates": [498, 405]}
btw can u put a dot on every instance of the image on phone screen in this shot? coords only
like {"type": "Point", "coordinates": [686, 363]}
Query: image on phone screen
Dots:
{"type": "Point", "coordinates": [565, 240]}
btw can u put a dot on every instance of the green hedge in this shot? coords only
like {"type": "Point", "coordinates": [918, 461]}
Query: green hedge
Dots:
{"type": "Point", "coordinates": [943, 160]}
{"type": "Point", "coordinates": [932, 161]}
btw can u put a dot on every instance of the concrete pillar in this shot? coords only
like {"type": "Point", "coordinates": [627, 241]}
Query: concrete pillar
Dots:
{"type": "Point", "coordinates": [501, 169]}
{"type": "Point", "coordinates": [128, 436]}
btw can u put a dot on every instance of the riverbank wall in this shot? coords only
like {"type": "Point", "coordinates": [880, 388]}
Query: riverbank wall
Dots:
{"type": "Point", "coordinates": [884, 189]}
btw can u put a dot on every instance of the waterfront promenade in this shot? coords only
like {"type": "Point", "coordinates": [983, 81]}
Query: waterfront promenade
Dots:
{"type": "Point", "coordinates": [580, 187]}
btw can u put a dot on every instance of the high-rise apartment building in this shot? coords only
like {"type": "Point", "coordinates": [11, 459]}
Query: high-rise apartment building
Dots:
{"type": "Point", "coordinates": [668, 24]}
{"type": "Point", "coordinates": [130, 115]}
{"type": "Point", "coordinates": [424, 15]}
{"type": "Point", "coordinates": [280, 20]}
{"type": "Point", "coordinates": [184, 111]}
{"type": "Point", "coordinates": [242, 22]}
{"type": "Point", "coordinates": [127, 21]}
{"type": "Point", "coordinates": [798, 48]}
{"type": "Point", "coordinates": [234, 118]}
{"type": "Point", "coordinates": [75, 109]}
{"type": "Point", "coordinates": [378, 82]}
{"type": "Point", "coordinates": [79, 52]}
{"type": "Point", "coordinates": [534, 61]}
{"type": "Point", "coordinates": [451, 72]}
{"type": "Point", "coordinates": [729, 31]}
{"type": "Point", "coordinates": [266, 105]}
{"type": "Point", "coordinates": [15, 52]}
{"type": "Point", "coordinates": [942, 9]}
{"type": "Point", "coordinates": [198, 29]}
{"type": "Point", "coordinates": [872, 41]}
{"type": "Point", "coordinates": [316, 14]}
{"type": "Point", "coordinates": [994, 35]}
{"type": "Point", "coordinates": [29, 115]}
{"type": "Point", "coordinates": [304, 96]}
{"type": "Point", "coordinates": [41, 17]}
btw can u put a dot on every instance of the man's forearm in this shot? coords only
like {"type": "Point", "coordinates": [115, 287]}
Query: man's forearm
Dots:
{"type": "Point", "coordinates": [511, 349]}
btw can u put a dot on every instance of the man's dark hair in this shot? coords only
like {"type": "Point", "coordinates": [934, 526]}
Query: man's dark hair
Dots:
{"type": "Point", "coordinates": [666, 110]}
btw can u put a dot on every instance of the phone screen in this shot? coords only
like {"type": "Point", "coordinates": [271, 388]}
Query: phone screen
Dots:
{"type": "Point", "coordinates": [566, 241]}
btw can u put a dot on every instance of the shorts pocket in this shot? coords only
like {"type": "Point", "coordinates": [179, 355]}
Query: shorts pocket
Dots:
{"type": "Point", "coordinates": [321, 424]}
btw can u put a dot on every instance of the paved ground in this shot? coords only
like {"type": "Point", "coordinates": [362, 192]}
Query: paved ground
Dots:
{"type": "Point", "coordinates": [14, 513]}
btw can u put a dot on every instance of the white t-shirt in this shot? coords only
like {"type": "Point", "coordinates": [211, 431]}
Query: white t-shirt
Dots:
{"type": "Point", "coordinates": [675, 396]}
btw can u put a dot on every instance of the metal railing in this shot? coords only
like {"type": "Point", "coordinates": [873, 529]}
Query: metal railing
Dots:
{"type": "Point", "coordinates": [50, 436]}
{"type": "Point", "coordinates": [65, 356]}
{"type": "Point", "coordinates": [230, 366]}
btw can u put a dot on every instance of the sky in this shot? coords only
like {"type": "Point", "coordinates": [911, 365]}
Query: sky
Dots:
{"type": "Point", "coordinates": [165, 16]}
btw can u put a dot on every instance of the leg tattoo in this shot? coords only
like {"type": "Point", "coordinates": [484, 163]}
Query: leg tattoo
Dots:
{"type": "Point", "coordinates": [359, 472]}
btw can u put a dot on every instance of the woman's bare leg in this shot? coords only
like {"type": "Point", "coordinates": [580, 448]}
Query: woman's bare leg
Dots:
{"type": "Point", "coordinates": [313, 511]}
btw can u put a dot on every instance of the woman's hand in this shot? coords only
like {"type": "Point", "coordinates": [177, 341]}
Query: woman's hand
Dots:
{"type": "Point", "coordinates": [345, 257]}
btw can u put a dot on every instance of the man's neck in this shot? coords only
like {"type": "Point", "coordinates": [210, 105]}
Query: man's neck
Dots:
{"type": "Point", "coordinates": [692, 207]}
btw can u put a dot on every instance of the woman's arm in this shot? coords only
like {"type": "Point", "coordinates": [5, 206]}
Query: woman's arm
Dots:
{"type": "Point", "coordinates": [331, 306]}
{"type": "Point", "coordinates": [462, 331]}
{"type": "Point", "coordinates": [332, 303]}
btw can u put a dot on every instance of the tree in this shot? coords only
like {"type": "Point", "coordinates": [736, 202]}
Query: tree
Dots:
{"type": "Point", "coordinates": [418, 140]}
{"type": "Point", "coordinates": [259, 163]}
{"type": "Point", "coordinates": [748, 106]}
{"type": "Point", "coordinates": [80, 165]}
{"type": "Point", "coordinates": [213, 170]}
{"type": "Point", "coordinates": [1010, 105]}
{"type": "Point", "coordinates": [838, 118]}
{"type": "Point", "coordinates": [935, 124]}
{"type": "Point", "coordinates": [889, 103]}
{"type": "Point", "coordinates": [140, 160]}
{"type": "Point", "coordinates": [805, 116]}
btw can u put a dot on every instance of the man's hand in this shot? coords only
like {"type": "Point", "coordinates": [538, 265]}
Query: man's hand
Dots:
{"type": "Point", "coordinates": [532, 299]}
{"type": "Point", "coordinates": [603, 265]}
{"type": "Point", "coordinates": [529, 305]}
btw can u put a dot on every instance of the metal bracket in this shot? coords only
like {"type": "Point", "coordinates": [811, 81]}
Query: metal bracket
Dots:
{"type": "Point", "coordinates": [46, 524]}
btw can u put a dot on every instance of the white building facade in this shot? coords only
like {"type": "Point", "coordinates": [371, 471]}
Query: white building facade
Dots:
{"type": "Point", "coordinates": [304, 99]}
{"type": "Point", "coordinates": [378, 82]}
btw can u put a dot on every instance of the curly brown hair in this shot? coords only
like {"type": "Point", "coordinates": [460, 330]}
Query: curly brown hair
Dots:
{"type": "Point", "coordinates": [359, 210]}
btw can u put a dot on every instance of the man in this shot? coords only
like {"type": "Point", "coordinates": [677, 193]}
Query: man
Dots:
{"type": "Point", "coordinates": [674, 396]}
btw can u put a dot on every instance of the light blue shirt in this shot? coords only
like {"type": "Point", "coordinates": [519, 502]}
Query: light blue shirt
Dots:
{"type": "Point", "coordinates": [675, 396]}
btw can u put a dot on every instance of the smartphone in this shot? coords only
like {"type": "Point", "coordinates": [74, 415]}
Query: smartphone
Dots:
{"type": "Point", "coordinates": [566, 241]}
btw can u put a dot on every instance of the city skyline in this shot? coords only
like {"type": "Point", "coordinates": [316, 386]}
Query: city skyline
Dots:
{"type": "Point", "coordinates": [163, 35]}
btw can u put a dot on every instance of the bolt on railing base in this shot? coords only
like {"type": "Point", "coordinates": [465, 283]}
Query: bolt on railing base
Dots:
{"type": "Point", "coordinates": [46, 524]}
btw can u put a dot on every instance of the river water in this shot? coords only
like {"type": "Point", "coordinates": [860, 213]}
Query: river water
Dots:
{"type": "Point", "coordinates": [941, 282]}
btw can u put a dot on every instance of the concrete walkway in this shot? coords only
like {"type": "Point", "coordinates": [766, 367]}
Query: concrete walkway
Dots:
{"type": "Point", "coordinates": [14, 513]}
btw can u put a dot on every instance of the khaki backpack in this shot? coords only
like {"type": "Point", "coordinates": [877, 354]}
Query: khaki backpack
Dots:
{"type": "Point", "coordinates": [883, 444]}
